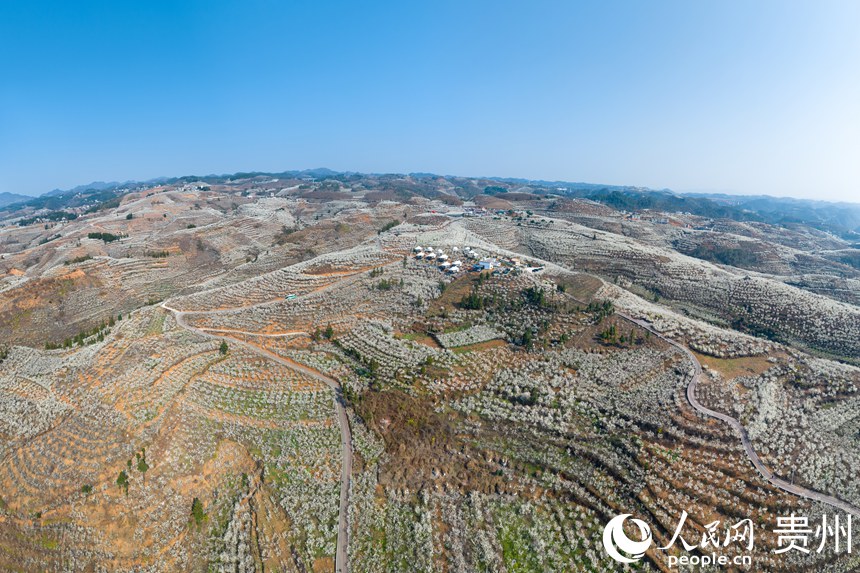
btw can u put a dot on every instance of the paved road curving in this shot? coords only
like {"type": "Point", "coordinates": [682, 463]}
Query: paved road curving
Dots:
{"type": "Point", "coordinates": [341, 565]}
{"type": "Point", "coordinates": [745, 439]}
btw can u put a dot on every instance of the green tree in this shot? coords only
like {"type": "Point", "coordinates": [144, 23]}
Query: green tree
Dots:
{"type": "Point", "coordinates": [535, 296]}
{"type": "Point", "coordinates": [373, 366]}
{"type": "Point", "coordinates": [86, 489]}
{"type": "Point", "coordinates": [197, 512]}
{"type": "Point", "coordinates": [122, 481]}
{"type": "Point", "coordinates": [528, 338]}
{"type": "Point", "coordinates": [143, 467]}
{"type": "Point", "coordinates": [223, 348]}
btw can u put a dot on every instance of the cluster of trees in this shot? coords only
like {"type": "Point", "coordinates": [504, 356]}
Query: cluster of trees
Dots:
{"type": "Point", "coordinates": [49, 239]}
{"type": "Point", "coordinates": [85, 337]}
{"type": "Point", "coordinates": [78, 260]}
{"type": "Point", "coordinates": [50, 216]}
{"type": "Point", "coordinates": [745, 324]}
{"type": "Point", "coordinates": [281, 237]}
{"type": "Point", "coordinates": [733, 256]}
{"type": "Point", "coordinates": [634, 200]}
{"type": "Point", "coordinates": [319, 334]}
{"type": "Point", "coordinates": [602, 308]}
{"type": "Point", "coordinates": [534, 335]}
{"type": "Point", "coordinates": [528, 339]}
{"type": "Point", "coordinates": [386, 284]}
{"type": "Point", "coordinates": [494, 190]}
{"type": "Point", "coordinates": [474, 301]}
{"type": "Point", "coordinates": [123, 480]}
{"type": "Point", "coordinates": [535, 296]}
{"type": "Point", "coordinates": [371, 364]}
{"type": "Point", "coordinates": [388, 226]}
{"type": "Point", "coordinates": [106, 237]}
{"type": "Point", "coordinates": [612, 335]}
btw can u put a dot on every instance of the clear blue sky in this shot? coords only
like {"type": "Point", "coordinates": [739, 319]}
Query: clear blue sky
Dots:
{"type": "Point", "coordinates": [739, 96]}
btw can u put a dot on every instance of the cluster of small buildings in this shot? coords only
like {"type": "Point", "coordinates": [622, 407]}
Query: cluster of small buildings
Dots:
{"type": "Point", "coordinates": [441, 259]}
{"type": "Point", "coordinates": [446, 264]}
{"type": "Point", "coordinates": [475, 212]}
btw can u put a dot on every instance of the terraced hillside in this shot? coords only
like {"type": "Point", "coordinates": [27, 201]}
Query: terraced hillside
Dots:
{"type": "Point", "coordinates": [263, 375]}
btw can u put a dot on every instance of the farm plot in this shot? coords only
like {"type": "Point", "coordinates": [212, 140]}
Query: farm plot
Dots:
{"type": "Point", "coordinates": [374, 344]}
{"type": "Point", "coordinates": [235, 387]}
{"type": "Point", "coordinates": [272, 286]}
{"type": "Point", "coordinates": [471, 335]}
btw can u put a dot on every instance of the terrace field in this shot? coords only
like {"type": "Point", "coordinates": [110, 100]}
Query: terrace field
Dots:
{"type": "Point", "coordinates": [260, 375]}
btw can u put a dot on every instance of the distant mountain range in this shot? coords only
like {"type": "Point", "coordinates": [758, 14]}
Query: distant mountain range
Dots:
{"type": "Point", "coordinates": [840, 218]}
{"type": "Point", "coordinates": [821, 214]}
{"type": "Point", "coordinates": [7, 198]}
{"type": "Point", "coordinates": [94, 186]}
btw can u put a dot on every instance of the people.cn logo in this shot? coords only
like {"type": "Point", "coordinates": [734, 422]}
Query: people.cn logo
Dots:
{"type": "Point", "coordinates": [617, 544]}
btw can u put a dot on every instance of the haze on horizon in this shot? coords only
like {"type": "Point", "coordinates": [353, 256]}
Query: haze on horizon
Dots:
{"type": "Point", "coordinates": [753, 98]}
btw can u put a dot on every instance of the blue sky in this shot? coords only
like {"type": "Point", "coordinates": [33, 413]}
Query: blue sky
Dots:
{"type": "Point", "coordinates": [745, 97]}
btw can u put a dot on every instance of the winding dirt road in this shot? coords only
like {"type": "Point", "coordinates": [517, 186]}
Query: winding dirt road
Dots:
{"type": "Point", "coordinates": [745, 439]}
{"type": "Point", "coordinates": [341, 565]}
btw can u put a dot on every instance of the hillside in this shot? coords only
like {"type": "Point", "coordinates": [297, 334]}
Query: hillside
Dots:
{"type": "Point", "coordinates": [269, 372]}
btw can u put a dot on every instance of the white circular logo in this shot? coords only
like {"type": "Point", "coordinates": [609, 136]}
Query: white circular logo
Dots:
{"type": "Point", "coordinates": [614, 539]}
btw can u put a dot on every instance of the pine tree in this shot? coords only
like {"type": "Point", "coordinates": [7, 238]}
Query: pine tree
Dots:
{"type": "Point", "coordinates": [122, 480]}
{"type": "Point", "coordinates": [197, 511]}
{"type": "Point", "coordinates": [142, 467]}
